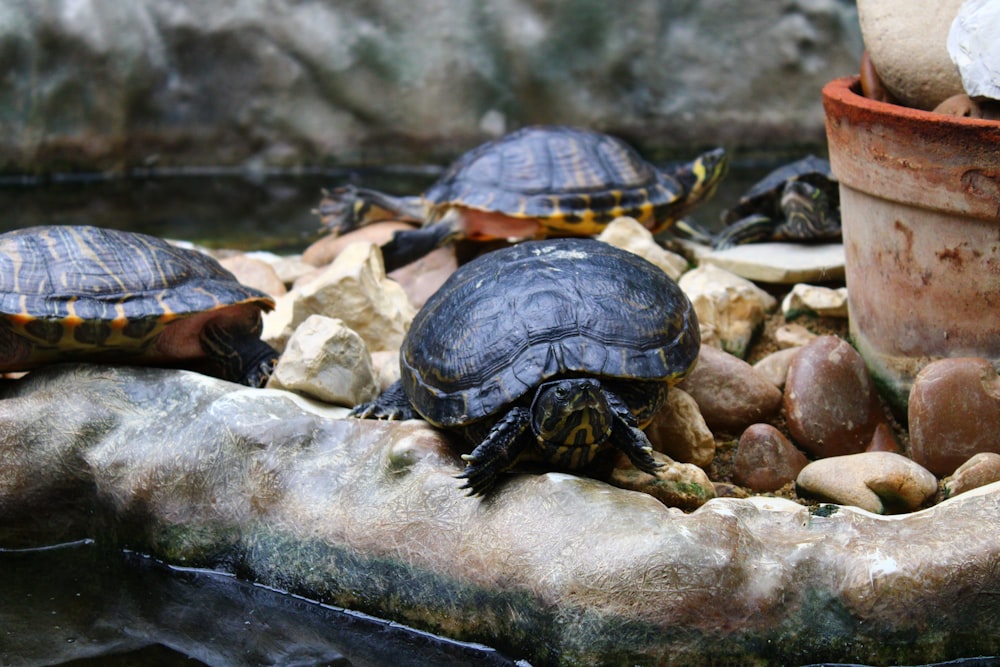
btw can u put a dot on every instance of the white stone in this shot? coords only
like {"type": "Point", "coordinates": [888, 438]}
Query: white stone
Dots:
{"type": "Point", "coordinates": [822, 301]}
{"type": "Point", "coordinates": [792, 335]}
{"type": "Point", "coordinates": [626, 233]}
{"type": "Point", "coordinates": [782, 263]}
{"type": "Point", "coordinates": [326, 360]}
{"type": "Point", "coordinates": [354, 288]}
{"type": "Point", "coordinates": [907, 43]}
{"type": "Point", "coordinates": [679, 431]}
{"type": "Point", "coordinates": [974, 47]}
{"type": "Point", "coordinates": [774, 366]}
{"type": "Point", "coordinates": [733, 306]}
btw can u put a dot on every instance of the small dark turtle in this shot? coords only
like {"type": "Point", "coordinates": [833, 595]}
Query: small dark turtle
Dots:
{"type": "Point", "coordinates": [799, 201]}
{"type": "Point", "coordinates": [548, 351]}
{"type": "Point", "coordinates": [538, 182]}
{"type": "Point", "coordinates": [101, 295]}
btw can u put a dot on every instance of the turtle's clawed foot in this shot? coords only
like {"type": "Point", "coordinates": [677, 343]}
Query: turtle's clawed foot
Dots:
{"type": "Point", "coordinates": [392, 404]}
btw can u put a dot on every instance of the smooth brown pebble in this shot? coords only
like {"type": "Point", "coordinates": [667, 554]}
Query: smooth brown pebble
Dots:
{"type": "Point", "coordinates": [830, 401]}
{"type": "Point", "coordinates": [980, 470]}
{"type": "Point", "coordinates": [729, 392]}
{"type": "Point", "coordinates": [326, 249]}
{"type": "Point", "coordinates": [880, 482]}
{"type": "Point", "coordinates": [954, 413]}
{"type": "Point", "coordinates": [423, 277]}
{"type": "Point", "coordinates": [765, 459]}
{"type": "Point", "coordinates": [884, 440]}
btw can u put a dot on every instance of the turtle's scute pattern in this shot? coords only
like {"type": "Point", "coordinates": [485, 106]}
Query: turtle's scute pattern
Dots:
{"type": "Point", "coordinates": [99, 276]}
{"type": "Point", "coordinates": [560, 175]}
{"type": "Point", "coordinates": [514, 318]}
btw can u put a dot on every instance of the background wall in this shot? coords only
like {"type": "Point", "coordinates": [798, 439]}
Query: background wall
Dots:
{"type": "Point", "coordinates": [108, 85]}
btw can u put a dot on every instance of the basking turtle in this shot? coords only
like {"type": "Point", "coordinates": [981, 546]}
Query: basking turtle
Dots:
{"type": "Point", "coordinates": [547, 351]}
{"type": "Point", "coordinates": [796, 202]}
{"type": "Point", "coordinates": [537, 182]}
{"type": "Point", "coordinates": [101, 295]}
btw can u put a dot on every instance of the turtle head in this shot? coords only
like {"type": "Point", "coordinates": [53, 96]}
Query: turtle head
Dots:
{"type": "Point", "coordinates": [571, 412]}
{"type": "Point", "coordinates": [701, 177]}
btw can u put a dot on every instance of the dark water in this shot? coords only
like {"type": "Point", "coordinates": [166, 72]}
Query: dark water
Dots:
{"type": "Point", "coordinates": [242, 211]}
{"type": "Point", "coordinates": [81, 605]}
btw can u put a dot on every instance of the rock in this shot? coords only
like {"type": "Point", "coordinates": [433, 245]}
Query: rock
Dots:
{"type": "Point", "coordinates": [954, 413]}
{"type": "Point", "coordinates": [963, 105]}
{"type": "Point", "coordinates": [423, 277]}
{"type": "Point", "coordinates": [907, 43]}
{"type": "Point", "coordinates": [980, 470]}
{"type": "Point", "coordinates": [681, 485]}
{"type": "Point", "coordinates": [733, 306]}
{"type": "Point", "coordinates": [730, 393]}
{"type": "Point", "coordinates": [793, 335]}
{"type": "Point", "coordinates": [198, 472]}
{"type": "Point", "coordinates": [354, 289]}
{"type": "Point", "coordinates": [679, 431]}
{"type": "Point", "coordinates": [386, 366]}
{"type": "Point", "coordinates": [289, 84]}
{"type": "Point", "coordinates": [765, 459]}
{"type": "Point", "coordinates": [288, 268]}
{"type": "Point", "coordinates": [782, 263]}
{"type": "Point", "coordinates": [627, 234]}
{"type": "Point", "coordinates": [880, 482]}
{"type": "Point", "coordinates": [815, 300]}
{"type": "Point", "coordinates": [327, 361]}
{"type": "Point", "coordinates": [884, 440]}
{"type": "Point", "coordinates": [774, 367]}
{"type": "Point", "coordinates": [831, 405]}
{"type": "Point", "coordinates": [974, 46]}
{"type": "Point", "coordinates": [255, 273]}
{"type": "Point", "coordinates": [326, 249]}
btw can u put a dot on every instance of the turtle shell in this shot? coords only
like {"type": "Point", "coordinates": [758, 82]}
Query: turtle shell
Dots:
{"type": "Point", "coordinates": [565, 177]}
{"type": "Point", "coordinates": [514, 318]}
{"type": "Point", "coordinates": [79, 292]}
{"type": "Point", "coordinates": [764, 196]}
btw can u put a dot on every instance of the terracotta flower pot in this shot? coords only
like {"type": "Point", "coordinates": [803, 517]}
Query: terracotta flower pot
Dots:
{"type": "Point", "coordinates": [920, 202]}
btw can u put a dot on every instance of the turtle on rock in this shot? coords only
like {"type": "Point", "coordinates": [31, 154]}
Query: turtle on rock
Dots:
{"type": "Point", "coordinates": [799, 202]}
{"type": "Point", "coordinates": [537, 182]}
{"type": "Point", "coordinates": [547, 351]}
{"type": "Point", "coordinates": [88, 294]}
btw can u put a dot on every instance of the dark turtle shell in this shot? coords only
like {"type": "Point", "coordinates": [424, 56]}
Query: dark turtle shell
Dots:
{"type": "Point", "coordinates": [516, 317]}
{"type": "Point", "coordinates": [564, 176]}
{"type": "Point", "coordinates": [80, 292]}
{"type": "Point", "coordinates": [764, 196]}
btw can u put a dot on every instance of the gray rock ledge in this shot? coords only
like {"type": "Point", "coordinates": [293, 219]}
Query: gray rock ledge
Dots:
{"type": "Point", "coordinates": [555, 569]}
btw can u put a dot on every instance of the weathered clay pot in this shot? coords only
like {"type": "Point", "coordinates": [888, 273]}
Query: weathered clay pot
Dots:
{"type": "Point", "coordinates": [920, 202]}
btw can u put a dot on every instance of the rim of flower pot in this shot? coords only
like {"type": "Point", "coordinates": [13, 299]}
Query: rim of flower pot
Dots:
{"type": "Point", "coordinates": [916, 157]}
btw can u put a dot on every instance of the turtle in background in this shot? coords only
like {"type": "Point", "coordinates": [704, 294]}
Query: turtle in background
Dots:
{"type": "Point", "coordinates": [797, 202]}
{"type": "Point", "coordinates": [88, 294]}
{"type": "Point", "coordinates": [537, 182]}
{"type": "Point", "coordinates": [547, 351]}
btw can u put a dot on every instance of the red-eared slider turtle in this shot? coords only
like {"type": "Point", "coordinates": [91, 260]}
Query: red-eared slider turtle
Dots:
{"type": "Point", "coordinates": [799, 202]}
{"type": "Point", "coordinates": [101, 295]}
{"type": "Point", "coordinates": [546, 351]}
{"type": "Point", "coordinates": [537, 182]}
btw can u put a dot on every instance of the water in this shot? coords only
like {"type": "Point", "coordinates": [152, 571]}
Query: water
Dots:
{"type": "Point", "coordinates": [241, 211]}
{"type": "Point", "coordinates": [83, 605]}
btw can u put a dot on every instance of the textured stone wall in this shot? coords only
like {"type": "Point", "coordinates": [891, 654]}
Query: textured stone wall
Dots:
{"type": "Point", "coordinates": [94, 84]}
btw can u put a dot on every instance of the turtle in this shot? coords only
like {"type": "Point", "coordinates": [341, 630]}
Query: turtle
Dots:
{"type": "Point", "coordinates": [90, 294]}
{"type": "Point", "coordinates": [799, 201]}
{"type": "Point", "coordinates": [538, 182]}
{"type": "Point", "coordinates": [547, 351]}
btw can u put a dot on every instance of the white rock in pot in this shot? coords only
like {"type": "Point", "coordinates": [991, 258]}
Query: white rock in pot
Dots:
{"type": "Point", "coordinates": [974, 47]}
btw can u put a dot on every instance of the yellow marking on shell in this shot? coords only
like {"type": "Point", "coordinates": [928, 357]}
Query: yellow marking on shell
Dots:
{"type": "Point", "coordinates": [120, 321]}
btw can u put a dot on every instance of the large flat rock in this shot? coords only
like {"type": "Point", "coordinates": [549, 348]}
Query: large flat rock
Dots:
{"type": "Point", "coordinates": [553, 568]}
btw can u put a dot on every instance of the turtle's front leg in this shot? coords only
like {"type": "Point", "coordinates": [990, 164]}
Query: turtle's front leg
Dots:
{"type": "Point", "coordinates": [629, 438]}
{"type": "Point", "coordinates": [391, 404]}
{"type": "Point", "coordinates": [497, 452]}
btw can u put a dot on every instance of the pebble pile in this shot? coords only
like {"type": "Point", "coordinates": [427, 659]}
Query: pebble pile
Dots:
{"type": "Point", "coordinates": [804, 420]}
